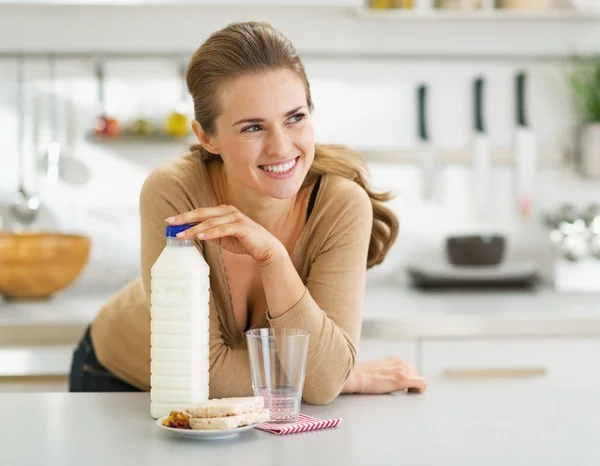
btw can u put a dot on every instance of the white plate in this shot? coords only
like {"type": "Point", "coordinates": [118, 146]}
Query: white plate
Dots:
{"type": "Point", "coordinates": [205, 434]}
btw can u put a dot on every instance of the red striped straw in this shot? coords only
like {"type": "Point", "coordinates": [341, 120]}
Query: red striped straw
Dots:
{"type": "Point", "coordinates": [304, 424]}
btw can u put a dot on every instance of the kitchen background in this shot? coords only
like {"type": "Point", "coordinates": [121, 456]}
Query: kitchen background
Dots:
{"type": "Point", "coordinates": [366, 62]}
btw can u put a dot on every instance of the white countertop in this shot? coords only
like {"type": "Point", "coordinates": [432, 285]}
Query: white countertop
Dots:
{"type": "Point", "coordinates": [391, 310]}
{"type": "Point", "coordinates": [397, 312]}
{"type": "Point", "coordinates": [444, 425]}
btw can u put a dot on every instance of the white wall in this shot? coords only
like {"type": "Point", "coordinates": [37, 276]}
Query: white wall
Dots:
{"type": "Point", "coordinates": [365, 101]}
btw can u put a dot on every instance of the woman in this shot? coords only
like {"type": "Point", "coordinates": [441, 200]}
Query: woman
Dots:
{"type": "Point", "coordinates": [287, 227]}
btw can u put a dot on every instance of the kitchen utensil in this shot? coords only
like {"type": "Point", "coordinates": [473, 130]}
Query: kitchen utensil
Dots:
{"type": "Point", "coordinates": [71, 169]}
{"type": "Point", "coordinates": [473, 250]}
{"type": "Point", "coordinates": [106, 124]}
{"type": "Point", "coordinates": [25, 206]}
{"type": "Point", "coordinates": [427, 156]}
{"type": "Point", "coordinates": [50, 162]}
{"type": "Point", "coordinates": [481, 154]}
{"type": "Point", "coordinates": [525, 150]}
{"type": "Point", "coordinates": [177, 124]}
{"type": "Point", "coordinates": [37, 265]}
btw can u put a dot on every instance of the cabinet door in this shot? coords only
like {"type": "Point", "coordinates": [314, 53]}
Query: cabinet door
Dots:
{"type": "Point", "coordinates": [34, 383]}
{"type": "Point", "coordinates": [376, 348]}
{"type": "Point", "coordinates": [535, 362]}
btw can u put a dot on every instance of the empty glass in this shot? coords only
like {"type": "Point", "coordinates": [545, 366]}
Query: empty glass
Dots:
{"type": "Point", "coordinates": [278, 366]}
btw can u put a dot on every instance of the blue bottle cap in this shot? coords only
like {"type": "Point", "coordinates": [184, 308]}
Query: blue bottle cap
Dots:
{"type": "Point", "coordinates": [172, 230]}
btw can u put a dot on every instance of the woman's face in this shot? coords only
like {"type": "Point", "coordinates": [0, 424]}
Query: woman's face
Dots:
{"type": "Point", "coordinates": [264, 133]}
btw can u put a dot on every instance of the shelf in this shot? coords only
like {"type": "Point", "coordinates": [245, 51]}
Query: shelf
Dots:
{"type": "Point", "coordinates": [410, 156]}
{"type": "Point", "coordinates": [133, 139]}
{"type": "Point", "coordinates": [477, 15]}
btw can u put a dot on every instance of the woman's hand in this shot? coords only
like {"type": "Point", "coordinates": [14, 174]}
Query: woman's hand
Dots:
{"type": "Point", "coordinates": [231, 230]}
{"type": "Point", "coordinates": [386, 375]}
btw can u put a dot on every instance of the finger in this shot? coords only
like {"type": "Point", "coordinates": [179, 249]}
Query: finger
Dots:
{"type": "Point", "coordinates": [417, 385]}
{"type": "Point", "coordinates": [220, 231]}
{"type": "Point", "coordinates": [199, 230]}
{"type": "Point", "coordinates": [200, 214]}
{"type": "Point", "coordinates": [405, 381]}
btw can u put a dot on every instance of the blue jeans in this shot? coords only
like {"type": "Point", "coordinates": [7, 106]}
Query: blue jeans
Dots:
{"type": "Point", "coordinates": [88, 375]}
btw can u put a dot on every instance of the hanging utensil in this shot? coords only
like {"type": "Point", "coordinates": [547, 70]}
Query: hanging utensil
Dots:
{"type": "Point", "coordinates": [525, 150]}
{"type": "Point", "coordinates": [427, 156]}
{"type": "Point", "coordinates": [25, 206]}
{"type": "Point", "coordinates": [106, 125]}
{"type": "Point", "coordinates": [58, 162]}
{"type": "Point", "coordinates": [72, 170]}
{"type": "Point", "coordinates": [177, 124]}
{"type": "Point", "coordinates": [50, 161]}
{"type": "Point", "coordinates": [481, 153]}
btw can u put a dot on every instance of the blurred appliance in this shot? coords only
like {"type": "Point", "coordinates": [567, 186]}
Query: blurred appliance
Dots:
{"type": "Point", "coordinates": [575, 238]}
{"type": "Point", "coordinates": [473, 261]}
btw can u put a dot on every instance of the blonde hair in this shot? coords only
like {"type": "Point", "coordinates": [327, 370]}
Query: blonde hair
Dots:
{"type": "Point", "coordinates": [252, 47]}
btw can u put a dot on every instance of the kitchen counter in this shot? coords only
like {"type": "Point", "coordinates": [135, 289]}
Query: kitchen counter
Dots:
{"type": "Point", "coordinates": [397, 312]}
{"type": "Point", "coordinates": [444, 426]}
{"type": "Point", "coordinates": [37, 338]}
{"type": "Point", "coordinates": [391, 311]}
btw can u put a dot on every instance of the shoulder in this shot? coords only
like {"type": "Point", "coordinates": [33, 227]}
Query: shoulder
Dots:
{"type": "Point", "coordinates": [344, 209]}
{"type": "Point", "coordinates": [176, 179]}
{"type": "Point", "coordinates": [183, 169]}
{"type": "Point", "coordinates": [344, 196]}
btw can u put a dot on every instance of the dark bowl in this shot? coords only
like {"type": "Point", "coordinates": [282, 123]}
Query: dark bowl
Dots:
{"type": "Point", "coordinates": [475, 249]}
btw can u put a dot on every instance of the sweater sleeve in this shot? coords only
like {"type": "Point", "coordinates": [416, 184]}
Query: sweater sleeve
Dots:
{"type": "Point", "coordinates": [163, 195]}
{"type": "Point", "coordinates": [331, 307]}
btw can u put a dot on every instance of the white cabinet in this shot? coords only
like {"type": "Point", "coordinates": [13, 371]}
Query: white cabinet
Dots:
{"type": "Point", "coordinates": [376, 348]}
{"type": "Point", "coordinates": [531, 362]}
{"type": "Point", "coordinates": [35, 369]}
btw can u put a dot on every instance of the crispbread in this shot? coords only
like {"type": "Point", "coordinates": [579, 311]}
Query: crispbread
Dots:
{"type": "Point", "coordinates": [221, 407]}
{"type": "Point", "coordinates": [229, 422]}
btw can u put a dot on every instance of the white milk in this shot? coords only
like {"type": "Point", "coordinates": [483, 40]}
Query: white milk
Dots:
{"type": "Point", "coordinates": [179, 327]}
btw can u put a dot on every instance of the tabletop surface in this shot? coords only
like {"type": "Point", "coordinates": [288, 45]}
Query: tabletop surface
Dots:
{"type": "Point", "coordinates": [441, 426]}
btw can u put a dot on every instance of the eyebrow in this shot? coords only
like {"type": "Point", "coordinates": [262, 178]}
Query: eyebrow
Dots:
{"type": "Point", "coordinates": [260, 120]}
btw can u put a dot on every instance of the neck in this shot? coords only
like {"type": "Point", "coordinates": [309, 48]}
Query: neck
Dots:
{"type": "Point", "coordinates": [265, 211]}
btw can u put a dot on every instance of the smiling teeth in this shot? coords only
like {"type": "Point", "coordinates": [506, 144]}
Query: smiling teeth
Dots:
{"type": "Point", "coordinates": [286, 167]}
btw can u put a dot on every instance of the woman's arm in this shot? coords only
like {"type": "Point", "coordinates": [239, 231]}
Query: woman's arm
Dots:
{"type": "Point", "coordinates": [331, 304]}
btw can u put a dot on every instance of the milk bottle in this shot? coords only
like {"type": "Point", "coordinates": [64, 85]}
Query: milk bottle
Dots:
{"type": "Point", "coordinates": [179, 314]}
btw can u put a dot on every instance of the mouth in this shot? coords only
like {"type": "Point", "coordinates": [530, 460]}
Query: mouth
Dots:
{"type": "Point", "coordinates": [280, 169]}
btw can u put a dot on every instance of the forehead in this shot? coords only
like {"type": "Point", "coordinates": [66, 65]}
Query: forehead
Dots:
{"type": "Point", "coordinates": [261, 95]}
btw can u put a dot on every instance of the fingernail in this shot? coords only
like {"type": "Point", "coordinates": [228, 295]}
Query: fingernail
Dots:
{"type": "Point", "coordinates": [200, 235]}
{"type": "Point", "coordinates": [180, 234]}
{"type": "Point", "coordinates": [170, 220]}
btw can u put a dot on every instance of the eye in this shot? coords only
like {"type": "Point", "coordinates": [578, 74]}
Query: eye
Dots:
{"type": "Point", "coordinates": [297, 118]}
{"type": "Point", "coordinates": [251, 129]}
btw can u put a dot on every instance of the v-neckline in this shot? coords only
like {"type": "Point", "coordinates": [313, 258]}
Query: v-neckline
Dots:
{"type": "Point", "coordinates": [212, 200]}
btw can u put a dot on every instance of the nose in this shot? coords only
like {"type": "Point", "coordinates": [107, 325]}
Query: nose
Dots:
{"type": "Point", "coordinates": [278, 143]}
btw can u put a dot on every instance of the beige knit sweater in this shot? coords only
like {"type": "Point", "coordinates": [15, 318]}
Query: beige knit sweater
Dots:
{"type": "Point", "coordinates": [330, 257]}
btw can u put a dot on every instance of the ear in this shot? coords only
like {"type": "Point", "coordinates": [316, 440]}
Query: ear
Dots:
{"type": "Point", "coordinates": [205, 139]}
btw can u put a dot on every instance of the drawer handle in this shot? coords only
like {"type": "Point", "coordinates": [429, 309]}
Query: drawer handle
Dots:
{"type": "Point", "coordinates": [515, 372]}
{"type": "Point", "coordinates": [33, 378]}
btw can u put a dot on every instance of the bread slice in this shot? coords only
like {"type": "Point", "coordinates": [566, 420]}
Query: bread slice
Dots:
{"type": "Point", "coordinates": [221, 407]}
{"type": "Point", "coordinates": [229, 422]}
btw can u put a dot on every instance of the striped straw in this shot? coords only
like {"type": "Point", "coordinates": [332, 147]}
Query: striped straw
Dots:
{"type": "Point", "coordinates": [304, 424]}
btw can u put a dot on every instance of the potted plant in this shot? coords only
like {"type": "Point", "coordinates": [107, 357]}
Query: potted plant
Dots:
{"type": "Point", "coordinates": [585, 84]}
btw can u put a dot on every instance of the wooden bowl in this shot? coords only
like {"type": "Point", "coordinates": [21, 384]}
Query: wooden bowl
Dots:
{"type": "Point", "coordinates": [37, 265]}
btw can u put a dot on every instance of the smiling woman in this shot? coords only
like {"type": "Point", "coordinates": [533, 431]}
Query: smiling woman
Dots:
{"type": "Point", "coordinates": [288, 228]}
